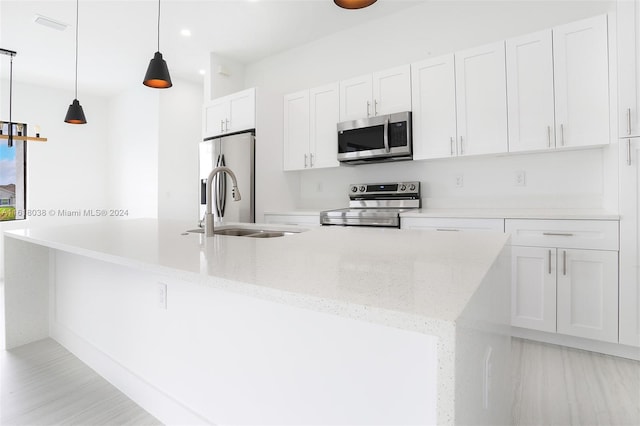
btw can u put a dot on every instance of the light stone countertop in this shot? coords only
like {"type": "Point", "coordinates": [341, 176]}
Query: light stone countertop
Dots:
{"type": "Point", "coordinates": [410, 279]}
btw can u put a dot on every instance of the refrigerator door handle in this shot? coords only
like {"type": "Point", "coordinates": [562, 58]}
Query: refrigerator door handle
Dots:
{"type": "Point", "coordinates": [216, 186]}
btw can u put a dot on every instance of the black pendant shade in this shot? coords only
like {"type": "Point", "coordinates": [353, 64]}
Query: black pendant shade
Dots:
{"type": "Point", "coordinates": [354, 4]}
{"type": "Point", "coordinates": [75, 114]}
{"type": "Point", "coordinates": [157, 75]}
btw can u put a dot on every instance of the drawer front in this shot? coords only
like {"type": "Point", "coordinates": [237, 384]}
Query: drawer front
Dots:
{"type": "Point", "coordinates": [580, 234]}
{"type": "Point", "coordinates": [292, 220]}
{"type": "Point", "coordinates": [452, 224]}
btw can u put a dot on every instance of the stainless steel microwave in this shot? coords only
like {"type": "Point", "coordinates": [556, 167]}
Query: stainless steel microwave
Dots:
{"type": "Point", "coordinates": [376, 139]}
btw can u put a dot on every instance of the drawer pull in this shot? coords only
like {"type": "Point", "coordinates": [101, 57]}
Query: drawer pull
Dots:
{"type": "Point", "coordinates": [447, 230]}
{"type": "Point", "coordinates": [557, 234]}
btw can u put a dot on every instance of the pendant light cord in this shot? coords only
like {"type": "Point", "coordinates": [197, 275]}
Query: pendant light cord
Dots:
{"type": "Point", "coordinates": [10, 142]}
{"type": "Point", "coordinates": [158, 25]}
{"type": "Point", "coordinates": [77, 9]}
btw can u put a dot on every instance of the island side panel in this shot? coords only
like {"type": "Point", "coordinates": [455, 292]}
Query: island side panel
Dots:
{"type": "Point", "coordinates": [26, 292]}
{"type": "Point", "coordinates": [216, 352]}
{"type": "Point", "coordinates": [483, 351]}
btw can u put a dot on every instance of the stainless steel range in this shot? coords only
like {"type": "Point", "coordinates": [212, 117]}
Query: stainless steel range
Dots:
{"type": "Point", "coordinates": [378, 204]}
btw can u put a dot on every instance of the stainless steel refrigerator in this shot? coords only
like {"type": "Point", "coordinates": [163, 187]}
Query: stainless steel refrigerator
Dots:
{"type": "Point", "coordinates": [237, 152]}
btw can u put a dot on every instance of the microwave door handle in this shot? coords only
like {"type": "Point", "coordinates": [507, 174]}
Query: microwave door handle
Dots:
{"type": "Point", "coordinates": [386, 135]}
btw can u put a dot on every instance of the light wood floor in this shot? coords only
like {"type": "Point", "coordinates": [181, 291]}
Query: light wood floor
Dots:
{"type": "Point", "coordinates": [43, 384]}
{"type": "Point", "coordinates": [554, 385]}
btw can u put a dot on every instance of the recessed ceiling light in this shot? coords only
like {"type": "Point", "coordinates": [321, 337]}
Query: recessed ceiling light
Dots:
{"type": "Point", "coordinates": [202, 72]}
{"type": "Point", "coordinates": [51, 23]}
{"type": "Point", "coordinates": [185, 33]}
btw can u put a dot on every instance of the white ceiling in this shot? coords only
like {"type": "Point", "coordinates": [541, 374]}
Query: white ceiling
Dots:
{"type": "Point", "coordinates": [118, 38]}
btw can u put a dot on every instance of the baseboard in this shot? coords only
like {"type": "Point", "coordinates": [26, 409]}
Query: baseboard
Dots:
{"type": "Point", "coordinates": [160, 405]}
{"type": "Point", "coordinates": [615, 349]}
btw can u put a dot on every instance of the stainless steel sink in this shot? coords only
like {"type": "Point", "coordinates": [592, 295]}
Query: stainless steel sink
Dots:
{"type": "Point", "coordinates": [245, 232]}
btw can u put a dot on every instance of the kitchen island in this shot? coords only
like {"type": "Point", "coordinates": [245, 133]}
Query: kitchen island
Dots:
{"type": "Point", "coordinates": [329, 326]}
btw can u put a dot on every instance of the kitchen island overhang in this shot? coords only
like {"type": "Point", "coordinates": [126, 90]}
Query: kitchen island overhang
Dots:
{"type": "Point", "coordinates": [425, 313]}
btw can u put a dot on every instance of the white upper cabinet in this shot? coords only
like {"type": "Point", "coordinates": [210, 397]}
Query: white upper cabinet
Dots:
{"type": "Point", "coordinates": [355, 97]}
{"type": "Point", "coordinates": [628, 17]}
{"type": "Point", "coordinates": [481, 99]}
{"type": "Point", "coordinates": [530, 97]}
{"type": "Point", "coordinates": [392, 90]}
{"type": "Point", "coordinates": [383, 92]}
{"type": "Point", "coordinates": [324, 115]}
{"type": "Point", "coordinates": [296, 130]}
{"type": "Point", "coordinates": [310, 132]}
{"type": "Point", "coordinates": [581, 74]}
{"type": "Point", "coordinates": [433, 98]}
{"type": "Point", "coordinates": [230, 114]}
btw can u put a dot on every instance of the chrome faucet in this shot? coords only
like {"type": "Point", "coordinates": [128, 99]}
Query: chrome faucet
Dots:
{"type": "Point", "coordinates": [208, 217]}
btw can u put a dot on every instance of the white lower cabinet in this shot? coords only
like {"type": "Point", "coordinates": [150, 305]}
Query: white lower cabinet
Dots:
{"type": "Point", "coordinates": [630, 242]}
{"type": "Point", "coordinates": [292, 219]}
{"type": "Point", "coordinates": [588, 294]}
{"type": "Point", "coordinates": [452, 224]}
{"type": "Point", "coordinates": [533, 293]}
{"type": "Point", "coordinates": [565, 277]}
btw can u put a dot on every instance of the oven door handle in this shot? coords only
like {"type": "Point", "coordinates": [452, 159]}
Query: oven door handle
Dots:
{"type": "Point", "coordinates": [386, 135]}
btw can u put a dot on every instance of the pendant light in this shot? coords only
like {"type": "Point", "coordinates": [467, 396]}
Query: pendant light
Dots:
{"type": "Point", "coordinates": [354, 4]}
{"type": "Point", "coordinates": [75, 114]}
{"type": "Point", "coordinates": [157, 75]}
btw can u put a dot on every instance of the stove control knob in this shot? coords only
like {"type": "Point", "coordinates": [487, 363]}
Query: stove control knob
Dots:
{"type": "Point", "coordinates": [412, 187]}
{"type": "Point", "coordinates": [362, 188]}
{"type": "Point", "coordinates": [354, 189]}
{"type": "Point", "coordinates": [403, 187]}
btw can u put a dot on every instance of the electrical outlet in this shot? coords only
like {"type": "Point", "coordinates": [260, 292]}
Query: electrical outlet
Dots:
{"type": "Point", "coordinates": [162, 295]}
{"type": "Point", "coordinates": [520, 178]}
{"type": "Point", "coordinates": [459, 181]}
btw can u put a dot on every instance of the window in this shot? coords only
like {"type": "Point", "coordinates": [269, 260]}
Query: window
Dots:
{"type": "Point", "coordinates": [12, 178]}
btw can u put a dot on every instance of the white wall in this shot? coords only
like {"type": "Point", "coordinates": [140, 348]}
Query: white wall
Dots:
{"type": "Point", "coordinates": [554, 180]}
{"type": "Point", "coordinates": [153, 151]}
{"type": "Point", "coordinates": [133, 151]}
{"type": "Point", "coordinates": [180, 133]}
{"type": "Point", "coordinates": [69, 171]}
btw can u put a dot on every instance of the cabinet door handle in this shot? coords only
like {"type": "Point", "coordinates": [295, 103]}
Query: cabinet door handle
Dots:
{"type": "Point", "coordinates": [305, 161]}
{"type": "Point", "coordinates": [628, 152]}
{"type": "Point", "coordinates": [461, 146]}
{"type": "Point", "coordinates": [549, 262]}
{"type": "Point", "coordinates": [564, 262]}
{"type": "Point", "coordinates": [368, 108]}
{"type": "Point", "coordinates": [629, 121]}
{"type": "Point", "coordinates": [311, 160]}
{"type": "Point", "coordinates": [562, 134]}
{"type": "Point", "coordinates": [557, 234]}
{"type": "Point", "coordinates": [221, 126]}
{"type": "Point", "coordinates": [549, 136]}
{"type": "Point", "coordinates": [375, 108]}
{"type": "Point", "coordinates": [451, 139]}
